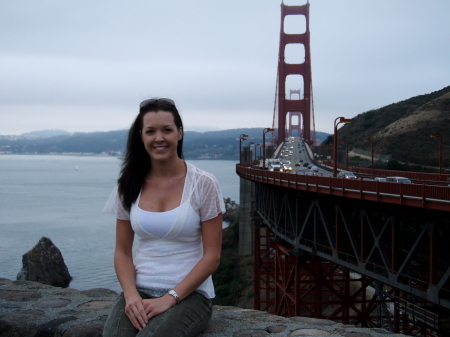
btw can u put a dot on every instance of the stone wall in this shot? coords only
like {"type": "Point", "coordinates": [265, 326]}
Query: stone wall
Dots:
{"type": "Point", "coordinates": [31, 309]}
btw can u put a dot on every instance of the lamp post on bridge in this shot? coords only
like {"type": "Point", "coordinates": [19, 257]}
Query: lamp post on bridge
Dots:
{"type": "Point", "coordinates": [346, 152]}
{"type": "Point", "coordinates": [323, 153]}
{"type": "Point", "coordinates": [371, 141]}
{"type": "Point", "coordinates": [264, 145]}
{"type": "Point", "coordinates": [256, 161]}
{"type": "Point", "coordinates": [341, 120]}
{"type": "Point", "coordinates": [256, 157]}
{"type": "Point", "coordinates": [241, 139]}
{"type": "Point", "coordinates": [254, 151]}
{"type": "Point", "coordinates": [328, 152]}
{"type": "Point", "coordinates": [439, 136]}
{"type": "Point", "coordinates": [254, 148]}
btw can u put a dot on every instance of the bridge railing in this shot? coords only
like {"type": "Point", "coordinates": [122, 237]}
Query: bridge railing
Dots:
{"type": "Point", "coordinates": [417, 176]}
{"type": "Point", "coordinates": [416, 195]}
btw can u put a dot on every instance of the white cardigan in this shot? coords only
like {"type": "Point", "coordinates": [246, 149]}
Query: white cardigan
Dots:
{"type": "Point", "coordinates": [162, 263]}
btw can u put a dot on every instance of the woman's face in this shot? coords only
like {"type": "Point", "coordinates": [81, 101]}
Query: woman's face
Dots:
{"type": "Point", "coordinates": [160, 135]}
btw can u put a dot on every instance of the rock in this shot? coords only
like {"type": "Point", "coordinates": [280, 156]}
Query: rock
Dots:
{"type": "Point", "coordinates": [57, 312]}
{"type": "Point", "coordinates": [49, 329]}
{"type": "Point", "coordinates": [54, 313]}
{"type": "Point", "coordinates": [231, 210]}
{"type": "Point", "coordinates": [45, 264]}
{"type": "Point", "coordinates": [85, 331]}
{"type": "Point", "coordinates": [309, 332]}
{"type": "Point", "coordinates": [276, 328]}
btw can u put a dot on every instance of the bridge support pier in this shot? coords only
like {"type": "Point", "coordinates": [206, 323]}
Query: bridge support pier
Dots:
{"type": "Point", "coordinates": [290, 282]}
{"type": "Point", "coordinates": [293, 283]}
{"type": "Point", "coordinates": [245, 223]}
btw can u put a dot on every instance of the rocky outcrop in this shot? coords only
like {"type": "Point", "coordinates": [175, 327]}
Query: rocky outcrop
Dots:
{"type": "Point", "coordinates": [30, 309]}
{"type": "Point", "coordinates": [45, 264]}
{"type": "Point", "coordinates": [232, 210]}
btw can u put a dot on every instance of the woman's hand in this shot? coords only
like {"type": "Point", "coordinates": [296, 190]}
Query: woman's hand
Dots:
{"type": "Point", "coordinates": [135, 311]}
{"type": "Point", "coordinates": [155, 306]}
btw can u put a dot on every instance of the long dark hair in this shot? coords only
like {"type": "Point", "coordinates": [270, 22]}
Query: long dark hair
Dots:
{"type": "Point", "coordinates": [136, 163]}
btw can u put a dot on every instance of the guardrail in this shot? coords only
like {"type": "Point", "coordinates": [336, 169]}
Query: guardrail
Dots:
{"type": "Point", "coordinates": [415, 195]}
{"type": "Point", "coordinates": [419, 176]}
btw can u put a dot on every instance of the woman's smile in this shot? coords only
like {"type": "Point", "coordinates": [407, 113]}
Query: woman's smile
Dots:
{"type": "Point", "coordinates": [160, 148]}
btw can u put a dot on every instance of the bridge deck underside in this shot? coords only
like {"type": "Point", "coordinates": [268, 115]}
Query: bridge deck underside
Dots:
{"type": "Point", "coordinates": [306, 285]}
{"type": "Point", "coordinates": [404, 248]}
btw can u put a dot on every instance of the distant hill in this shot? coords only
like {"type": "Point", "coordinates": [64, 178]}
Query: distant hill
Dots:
{"type": "Point", "coordinates": [46, 133]}
{"type": "Point", "coordinates": [222, 144]}
{"type": "Point", "coordinates": [403, 129]}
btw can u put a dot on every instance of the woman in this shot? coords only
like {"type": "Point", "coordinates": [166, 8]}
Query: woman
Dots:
{"type": "Point", "coordinates": [175, 209]}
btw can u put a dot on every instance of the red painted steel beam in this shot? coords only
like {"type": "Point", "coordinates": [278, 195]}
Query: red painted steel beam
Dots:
{"type": "Point", "coordinates": [296, 38]}
{"type": "Point", "coordinates": [294, 105]}
{"type": "Point", "coordinates": [319, 289]}
{"type": "Point", "coordinates": [296, 10]}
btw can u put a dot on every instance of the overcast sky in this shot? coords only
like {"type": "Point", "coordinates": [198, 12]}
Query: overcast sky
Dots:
{"type": "Point", "coordinates": [85, 65]}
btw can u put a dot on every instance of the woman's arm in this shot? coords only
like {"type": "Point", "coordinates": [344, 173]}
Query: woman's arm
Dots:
{"type": "Point", "coordinates": [212, 247]}
{"type": "Point", "coordinates": [123, 263]}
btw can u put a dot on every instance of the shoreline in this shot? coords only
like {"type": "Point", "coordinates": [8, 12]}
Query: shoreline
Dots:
{"type": "Point", "coordinates": [100, 155]}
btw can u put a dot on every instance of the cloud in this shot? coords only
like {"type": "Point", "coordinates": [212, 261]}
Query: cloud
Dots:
{"type": "Point", "coordinates": [217, 60]}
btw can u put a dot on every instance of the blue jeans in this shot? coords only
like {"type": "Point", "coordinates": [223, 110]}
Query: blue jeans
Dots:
{"type": "Point", "coordinates": [187, 319]}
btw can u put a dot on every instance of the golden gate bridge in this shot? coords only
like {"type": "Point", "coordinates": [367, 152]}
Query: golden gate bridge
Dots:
{"type": "Point", "coordinates": [358, 251]}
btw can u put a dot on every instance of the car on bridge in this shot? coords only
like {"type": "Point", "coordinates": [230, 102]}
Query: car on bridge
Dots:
{"type": "Point", "coordinates": [398, 180]}
{"type": "Point", "coordinates": [379, 179]}
{"type": "Point", "coordinates": [346, 175]}
{"type": "Point", "coordinates": [308, 172]}
{"type": "Point", "coordinates": [287, 168]}
{"type": "Point", "coordinates": [304, 171]}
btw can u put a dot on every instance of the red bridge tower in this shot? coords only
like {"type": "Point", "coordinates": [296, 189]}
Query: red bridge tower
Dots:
{"type": "Point", "coordinates": [302, 106]}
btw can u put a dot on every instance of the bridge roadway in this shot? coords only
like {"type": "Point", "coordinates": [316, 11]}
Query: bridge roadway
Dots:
{"type": "Point", "coordinates": [416, 195]}
{"type": "Point", "coordinates": [395, 234]}
{"type": "Point", "coordinates": [301, 155]}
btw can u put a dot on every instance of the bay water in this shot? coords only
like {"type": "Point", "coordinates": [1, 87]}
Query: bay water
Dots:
{"type": "Point", "coordinates": [62, 198]}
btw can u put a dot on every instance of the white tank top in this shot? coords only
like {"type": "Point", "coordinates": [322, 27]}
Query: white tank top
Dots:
{"type": "Point", "coordinates": [157, 223]}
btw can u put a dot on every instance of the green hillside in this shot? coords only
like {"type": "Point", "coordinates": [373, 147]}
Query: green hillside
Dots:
{"type": "Point", "coordinates": [403, 129]}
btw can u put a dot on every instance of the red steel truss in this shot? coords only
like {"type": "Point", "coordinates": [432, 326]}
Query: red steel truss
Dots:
{"type": "Point", "coordinates": [290, 283]}
{"type": "Point", "coordinates": [322, 253]}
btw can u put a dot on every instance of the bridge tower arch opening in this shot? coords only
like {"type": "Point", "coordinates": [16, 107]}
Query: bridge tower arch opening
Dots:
{"type": "Point", "coordinates": [295, 118]}
{"type": "Point", "coordinates": [294, 59]}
